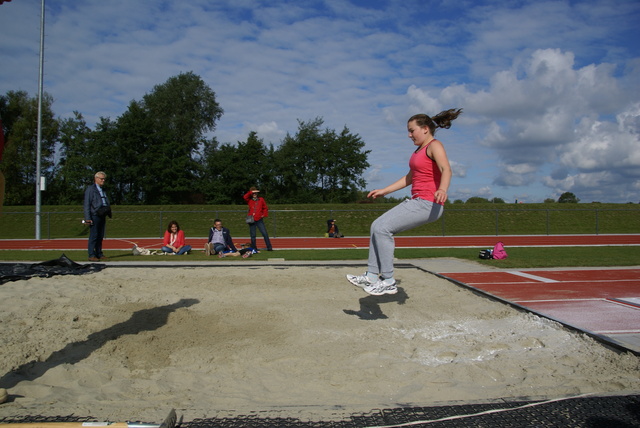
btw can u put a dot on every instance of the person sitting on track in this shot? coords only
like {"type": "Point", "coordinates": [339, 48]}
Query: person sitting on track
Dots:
{"type": "Point", "coordinates": [174, 242]}
{"type": "Point", "coordinates": [219, 241]}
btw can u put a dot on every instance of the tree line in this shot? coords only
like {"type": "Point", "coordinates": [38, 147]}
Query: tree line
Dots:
{"type": "Point", "coordinates": [159, 151]}
{"type": "Point", "coordinates": [566, 197]}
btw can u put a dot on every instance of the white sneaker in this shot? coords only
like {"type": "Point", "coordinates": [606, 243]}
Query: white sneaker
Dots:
{"type": "Point", "coordinates": [380, 287]}
{"type": "Point", "coordinates": [207, 249]}
{"type": "Point", "coordinates": [359, 280]}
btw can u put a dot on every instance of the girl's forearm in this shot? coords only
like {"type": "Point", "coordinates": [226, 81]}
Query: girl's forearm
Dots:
{"type": "Point", "coordinates": [400, 184]}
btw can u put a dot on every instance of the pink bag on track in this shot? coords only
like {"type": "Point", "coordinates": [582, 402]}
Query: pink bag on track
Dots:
{"type": "Point", "coordinates": [499, 251]}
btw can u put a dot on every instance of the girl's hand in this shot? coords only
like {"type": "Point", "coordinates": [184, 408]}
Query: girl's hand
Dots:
{"type": "Point", "coordinates": [440, 196]}
{"type": "Point", "coordinates": [375, 193]}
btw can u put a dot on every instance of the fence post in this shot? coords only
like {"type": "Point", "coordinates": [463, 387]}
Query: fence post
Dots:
{"type": "Point", "coordinates": [160, 234]}
{"type": "Point", "coordinates": [275, 225]}
{"type": "Point", "coordinates": [597, 222]}
{"type": "Point", "coordinates": [443, 228]}
{"type": "Point", "coordinates": [547, 221]}
{"type": "Point", "coordinates": [497, 214]}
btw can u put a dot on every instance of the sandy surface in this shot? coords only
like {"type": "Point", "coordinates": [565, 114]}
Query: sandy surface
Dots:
{"type": "Point", "coordinates": [132, 343]}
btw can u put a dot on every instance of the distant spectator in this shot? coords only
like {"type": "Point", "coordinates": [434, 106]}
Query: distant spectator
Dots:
{"type": "Point", "coordinates": [173, 242]}
{"type": "Point", "coordinates": [220, 240]}
{"type": "Point", "coordinates": [246, 251]}
{"type": "Point", "coordinates": [258, 210]}
{"type": "Point", "coordinates": [96, 210]}
{"type": "Point", "coordinates": [332, 229]}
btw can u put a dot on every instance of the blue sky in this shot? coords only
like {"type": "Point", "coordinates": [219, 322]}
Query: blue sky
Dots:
{"type": "Point", "coordinates": [550, 90]}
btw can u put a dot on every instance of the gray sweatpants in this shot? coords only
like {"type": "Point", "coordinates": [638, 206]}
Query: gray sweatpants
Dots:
{"type": "Point", "coordinates": [407, 215]}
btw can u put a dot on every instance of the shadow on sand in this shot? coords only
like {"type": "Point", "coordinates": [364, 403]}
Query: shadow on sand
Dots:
{"type": "Point", "coordinates": [370, 305]}
{"type": "Point", "coordinates": [143, 320]}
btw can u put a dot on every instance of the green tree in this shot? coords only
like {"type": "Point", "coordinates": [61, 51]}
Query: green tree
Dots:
{"type": "Point", "coordinates": [346, 163]}
{"type": "Point", "coordinates": [180, 112]}
{"type": "Point", "coordinates": [292, 165]}
{"type": "Point", "coordinates": [220, 170]}
{"type": "Point", "coordinates": [320, 166]}
{"type": "Point", "coordinates": [549, 201]}
{"type": "Point", "coordinates": [497, 201]}
{"type": "Point", "coordinates": [20, 119]}
{"type": "Point", "coordinates": [232, 170]}
{"type": "Point", "coordinates": [133, 137]}
{"type": "Point", "coordinates": [568, 197]}
{"type": "Point", "coordinates": [477, 200]}
{"type": "Point", "coordinates": [154, 152]}
{"type": "Point", "coordinates": [72, 172]}
{"type": "Point", "coordinates": [104, 155]}
{"type": "Point", "coordinates": [255, 166]}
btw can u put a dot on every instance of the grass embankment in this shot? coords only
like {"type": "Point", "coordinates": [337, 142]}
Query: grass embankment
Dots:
{"type": "Point", "coordinates": [354, 220]}
{"type": "Point", "coordinates": [310, 220]}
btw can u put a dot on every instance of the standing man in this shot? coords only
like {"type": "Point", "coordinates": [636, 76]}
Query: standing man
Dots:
{"type": "Point", "coordinates": [96, 210]}
{"type": "Point", "coordinates": [257, 210]}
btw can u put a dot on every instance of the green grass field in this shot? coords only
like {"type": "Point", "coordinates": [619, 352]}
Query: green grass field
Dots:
{"type": "Point", "coordinates": [354, 220]}
{"type": "Point", "coordinates": [530, 257]}
{"type": "Point", "coordinates": [310, 220]}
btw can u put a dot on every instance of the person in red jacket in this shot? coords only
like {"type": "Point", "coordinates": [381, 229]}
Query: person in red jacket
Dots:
{"type": "Point", "coordinates": [257, 211]}
{"type": "Point", "coordinates": [174, 240]}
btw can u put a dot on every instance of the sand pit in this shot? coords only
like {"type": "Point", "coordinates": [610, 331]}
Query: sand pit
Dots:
{"type": "Point", "coordinates": [132, 343]}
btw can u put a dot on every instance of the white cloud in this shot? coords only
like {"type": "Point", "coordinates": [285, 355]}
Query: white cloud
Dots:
{"type": "Point", "coordinates": [607, 146]}
{"type": "Point", "coordinates": [268, 131]}
{"type": "Point", "coordinates": [603, 152]}
{"type": "Point", "coordinates": [551, 113]}
{"type": "Point", "coordinates": [458, 169]}
{"type": "Point", "coordinates": [421, 101]}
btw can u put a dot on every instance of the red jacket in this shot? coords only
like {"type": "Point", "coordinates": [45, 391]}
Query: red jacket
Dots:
{"type": "Point", "coordinates": [258, 208]}
{"type": "Point", "coordinates": [179, 239]}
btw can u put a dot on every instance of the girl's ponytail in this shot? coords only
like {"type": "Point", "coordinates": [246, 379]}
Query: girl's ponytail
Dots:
{"type": "Point", "coordinates": [440, 120]}
{"type": "Point", "coordinates": [444, 118]}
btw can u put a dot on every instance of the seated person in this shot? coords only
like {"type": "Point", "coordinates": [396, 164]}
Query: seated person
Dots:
{"type": "Point", "coordinates": [219, 240]}
{"type": "Point", "coordinates": [332, 229]}
{"type": "Point", "coordinates": [246, 251]}
{"type": "Point", "coordinates": [173, 242]}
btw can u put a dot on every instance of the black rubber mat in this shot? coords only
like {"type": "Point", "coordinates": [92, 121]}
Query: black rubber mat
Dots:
{"type": "Point", "coordinates": [60, 266]}
{"type": "Point", "coordinates": [588, 412]}
{"type": "Point", "coordinates": [619, 411]}
{"type": "Point", "coordinates": [591, 412]}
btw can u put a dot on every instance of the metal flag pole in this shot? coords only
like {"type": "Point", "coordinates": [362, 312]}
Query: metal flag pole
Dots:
{"type": "Point", "coordinates": [39, 138]}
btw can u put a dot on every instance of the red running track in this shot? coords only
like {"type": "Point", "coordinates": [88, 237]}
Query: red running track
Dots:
{"type": "Point", "coordinates": [354, 242]}
{"type": "Point", "coordinates": [602, 302]}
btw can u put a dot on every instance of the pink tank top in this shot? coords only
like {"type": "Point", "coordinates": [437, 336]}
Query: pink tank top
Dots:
{"type": "Point", "coordinates": [426, 175]}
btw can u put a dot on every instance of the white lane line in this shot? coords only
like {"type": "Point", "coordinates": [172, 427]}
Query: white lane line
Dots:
{"type": "Point", "coordinates": [534, 277]}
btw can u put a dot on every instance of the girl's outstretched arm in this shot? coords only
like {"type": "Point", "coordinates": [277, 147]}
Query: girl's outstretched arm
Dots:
{"type": "Point", "coordinates": [400, 184]}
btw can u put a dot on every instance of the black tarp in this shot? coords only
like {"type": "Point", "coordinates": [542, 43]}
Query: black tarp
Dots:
{"type": "Point", "coordinates": [60, 266]}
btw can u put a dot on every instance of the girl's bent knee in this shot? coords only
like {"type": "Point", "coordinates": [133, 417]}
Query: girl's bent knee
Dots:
{"type": "Point", "coordinates": [379, 228]}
